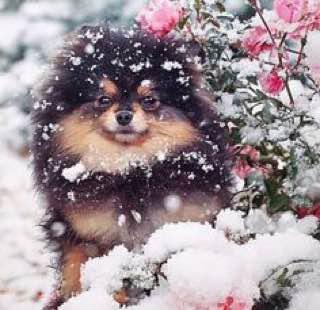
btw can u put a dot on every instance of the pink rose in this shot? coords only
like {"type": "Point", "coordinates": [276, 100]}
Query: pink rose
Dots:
{"type": "Point", "coordinates": [291, 11]}
{"type": "Point", "coordinates": [314, 24]}
{"type": "Point", "coordinates": [160, 17]}
{"type": "Point", "coordinates": [242, 169]}
{"type": "Point", "coordinates": [266, 171]}
{"type": "Point", "coordinates": [305, 18]}
{"type": "Point", "coordinates": [256, 41]}
{"type": "Point", "coordinates": [314, 211]}
{"type": "Point", "coordinates": [251, 152]}
{"type": "Point", "coordinates": [230, 303]}
{"type": "Point", "coordinates": [312, 20]}
{"type": "Point", "coordinates": [271, 82]}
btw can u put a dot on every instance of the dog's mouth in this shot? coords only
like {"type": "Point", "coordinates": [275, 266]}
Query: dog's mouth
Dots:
{"type": "Point", "coordinates": [126, 131]}
{"type": "Point", "coordinates": [126, 135]}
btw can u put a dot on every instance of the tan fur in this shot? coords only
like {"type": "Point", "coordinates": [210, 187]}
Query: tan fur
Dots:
{"type": "Point", "coordinates": [99, 224]}
{"type": "Point", "coordinates": [195, 208]}
{"type": "Point", "coordinates": [73, 258]}
{"type": "Point", "coordinates": [110, 88]}
{"type": "Point", "coordinates": [98, 152]}
{"type": "Point", "coordinates": [145, 89]}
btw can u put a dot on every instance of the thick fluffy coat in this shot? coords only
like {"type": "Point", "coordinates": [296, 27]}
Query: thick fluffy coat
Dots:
{"type": "Point", "coordinates": [126, 139]}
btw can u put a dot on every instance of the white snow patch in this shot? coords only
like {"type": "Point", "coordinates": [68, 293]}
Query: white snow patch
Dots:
{"type": "Point", "coordinates": [93, 299]}
{"type": "Point", "coordinates": [230, 221]}
{"type": "Point", "coordinates": [201, 267]}
{"type": "Point", "coordinates": [170, 65]}
{"type": "Point", "coordinates": [172, 203]}
{"type": "Point", "coordinates": [312, 53]}
{"type": "Point", "coordinates": [307, 300]}
{"type": "Point", "coordinates": [73, 173]}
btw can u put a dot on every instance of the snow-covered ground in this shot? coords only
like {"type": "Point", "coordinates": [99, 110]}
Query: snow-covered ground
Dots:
{"type": "Point", "coordinates": [25, 277]}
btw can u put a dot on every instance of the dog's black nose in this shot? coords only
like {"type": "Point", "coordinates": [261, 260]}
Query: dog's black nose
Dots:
{"type": "Point", "coordinates": [124, 117]}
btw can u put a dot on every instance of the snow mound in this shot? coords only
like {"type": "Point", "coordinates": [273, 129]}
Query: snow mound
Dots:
{"type": "Point", "coordinates": [194, 266]}
{"type": "Point", "coordinates": [25, 279]}
{"type": "Point", "coordinates": [308, 300]}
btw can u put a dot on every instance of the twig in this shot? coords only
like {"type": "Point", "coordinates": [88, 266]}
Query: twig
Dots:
{"type": "Point", "coordinates": [303, 44]}
{"type": "Point", "coordinates": [279, 53]}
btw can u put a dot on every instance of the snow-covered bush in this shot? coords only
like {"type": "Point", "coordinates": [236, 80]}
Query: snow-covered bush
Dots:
{"type": "Point", "coordinates": [265, 74]}
{"type": "Point", "coordinates": [194, 266]}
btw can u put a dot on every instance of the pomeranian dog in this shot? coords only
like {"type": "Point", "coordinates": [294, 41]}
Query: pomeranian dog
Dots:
{"type": "Point", "coordinates": [126, 139]}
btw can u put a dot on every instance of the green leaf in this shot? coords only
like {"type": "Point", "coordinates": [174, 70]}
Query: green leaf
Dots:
{"type": "Point", "coordinates": [282, 280]}
{"type": "Point", "coordinates": [220, 7]}
{"type": "Point", "coordinates": [267, 115]}
{"type": "Point", "coordinates": [183, 22]}
{"type": "Point", "coordinates": [293, 164]}
{"type": "Point", "coordinates": [198, 4]}
{"type": "Point", "coordinates": [277, 201]}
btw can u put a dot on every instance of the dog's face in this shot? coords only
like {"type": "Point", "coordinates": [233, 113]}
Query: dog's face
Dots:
{"type": "Point", "coordinates": [133, 115]}
{"type": "Point", "coordinates": [124, 116]}
{"type": "Point", "coordinates": [129, 101]}
{"type": "Point", "coordinates": [124, 127]}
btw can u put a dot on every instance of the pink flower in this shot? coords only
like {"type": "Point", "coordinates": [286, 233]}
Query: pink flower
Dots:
{"type": "Point", "coordinates": [314, 22]}
{"type": "Point", "coordinates": [266, 171]}
{"type": "Point", "coordinates": [160, 17]}
{"type": "Point", "coordinates": [310, 23]}
{"type": "Point", "coordinates": [256, 41]}
{"type": "Point", "coordinates": [315, 211]}
{"type": "Point", "coordinates": [248, 161]}
{"type": "Point", "coordinates": [271, 82]}
{"type": "Point", "coordinates": [290, 11]}
{"type": "Point", "coordinates": [251, 152]}
{"type": "Point", "coordinates": [308, 18]}
{"type": "Point", "coordinates": [230, 303]}
{"type": "Point", "coordinates": [242, 169]}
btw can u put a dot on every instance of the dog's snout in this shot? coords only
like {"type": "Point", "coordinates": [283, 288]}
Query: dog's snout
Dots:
{"type": "Point", "coordinates": [124, 117]}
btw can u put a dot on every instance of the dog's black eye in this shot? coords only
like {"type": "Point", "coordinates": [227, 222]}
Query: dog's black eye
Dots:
{"type": "Point", "coordinates": [150, 103]}
{"type": "Point", "coordinates": [104, 102]}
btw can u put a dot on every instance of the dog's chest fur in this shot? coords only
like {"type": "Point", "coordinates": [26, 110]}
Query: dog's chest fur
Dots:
{"type": "Point", "coordinates": [112, 223]}
{"type": "Point", "coordinates": [113, 209]}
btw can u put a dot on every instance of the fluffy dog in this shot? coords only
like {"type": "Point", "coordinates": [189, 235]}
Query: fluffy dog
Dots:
{"type": "Point", "coordinates": [126, 139]}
